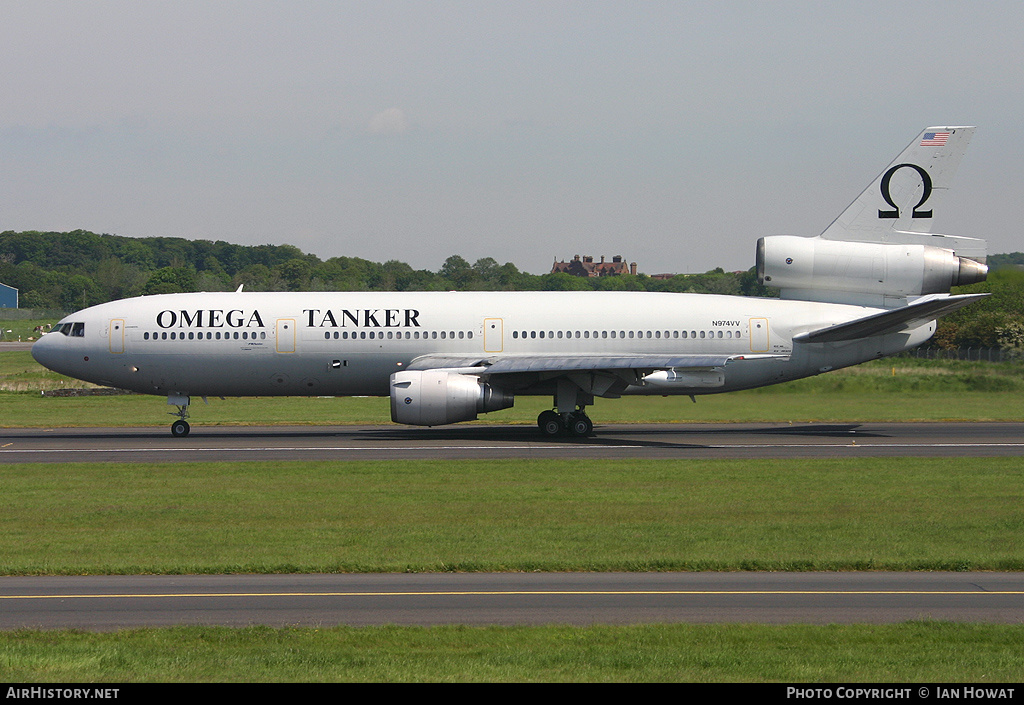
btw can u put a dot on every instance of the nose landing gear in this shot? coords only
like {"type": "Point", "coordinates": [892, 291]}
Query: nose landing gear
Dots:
{"type": "Point", "coordinates": [179, 428]}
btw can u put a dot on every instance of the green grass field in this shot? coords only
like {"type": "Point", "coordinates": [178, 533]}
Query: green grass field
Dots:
{"type": "Point", "coordinates": [925, 652]}
{"type": "Point", "coordinates": [512, 515]}
{"type": "Point", "coordinates": [902, 514]}
{"type": "Point", "coordinates": [20, 330]}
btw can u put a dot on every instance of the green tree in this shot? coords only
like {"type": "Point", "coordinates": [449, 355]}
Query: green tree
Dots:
{"type": "Point", "coordinates": [457, 270]}
{"type": "Point", "coordinates": [295, 273]}
{"type": "Point", "coordinates": [170, 280]}
{"type": "Point", "coordinates": [78, 291]}
{"type": "Point", "coordinates": [561, 281]}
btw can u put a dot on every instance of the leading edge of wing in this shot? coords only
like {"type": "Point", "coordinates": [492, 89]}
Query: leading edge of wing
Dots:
{"type": "Point", "coordinates": [498, 364]}
{"type": "Point", "coordinates": [894, 321]}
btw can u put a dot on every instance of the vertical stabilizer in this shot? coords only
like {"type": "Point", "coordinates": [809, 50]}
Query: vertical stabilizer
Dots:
{"type": "Point", "coordinates": [901, 204]}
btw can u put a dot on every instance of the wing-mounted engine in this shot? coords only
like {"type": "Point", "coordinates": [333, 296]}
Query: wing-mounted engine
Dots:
{"type": "Point", "coordinates": [866, 273]}
{"type": "Point", "coordinates": [438, 397]}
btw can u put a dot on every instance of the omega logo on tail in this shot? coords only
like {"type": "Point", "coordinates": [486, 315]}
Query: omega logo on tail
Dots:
{"type": "Point", "coordinates": [926, 181]}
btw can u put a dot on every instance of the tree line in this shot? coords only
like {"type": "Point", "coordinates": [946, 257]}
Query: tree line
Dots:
{"type": "Point", "coordinates": [72, 270]}
{"type": "Point", "coordinates": [78, 269]}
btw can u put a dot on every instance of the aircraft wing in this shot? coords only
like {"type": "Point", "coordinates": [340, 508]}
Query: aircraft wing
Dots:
{"type": "Point", "coordinates": [555, 364]}
{"type": "Point", "coordinates": [894, 321]}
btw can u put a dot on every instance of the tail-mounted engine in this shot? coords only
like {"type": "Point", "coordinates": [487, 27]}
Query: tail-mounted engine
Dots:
{"type": "Point", "coordinates": [437, 397]}
{"type": "Point", "coordinates": [834, 270]}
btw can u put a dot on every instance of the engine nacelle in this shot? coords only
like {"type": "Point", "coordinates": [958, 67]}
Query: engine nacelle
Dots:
{"type": "Point", "coordinates": [437, 397]}
{"type": "Point", "coordinates": [796, 264]}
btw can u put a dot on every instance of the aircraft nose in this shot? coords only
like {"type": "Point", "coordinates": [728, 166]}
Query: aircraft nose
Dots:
{"type": "Point", "coordinates": [44, 350]}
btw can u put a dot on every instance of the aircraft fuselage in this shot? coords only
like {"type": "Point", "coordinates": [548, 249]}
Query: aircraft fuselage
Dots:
{"type": "Point", "coordinates": [343, 344]}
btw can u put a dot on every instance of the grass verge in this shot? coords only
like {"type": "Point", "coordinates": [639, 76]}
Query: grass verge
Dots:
{"type": "Point", "coordinates": [926, 652]}
{"type": "Point", "coordinates": [513, 515]}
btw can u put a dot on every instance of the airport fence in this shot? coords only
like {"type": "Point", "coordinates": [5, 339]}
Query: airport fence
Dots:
{"type": "Point", "coordinates": [976, 354]}
{"type": "Point", "coordinates": [31, 314]}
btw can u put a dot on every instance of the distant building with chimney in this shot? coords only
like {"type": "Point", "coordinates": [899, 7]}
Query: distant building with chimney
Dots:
{"type": "Point", "coordinates": [585, 266]}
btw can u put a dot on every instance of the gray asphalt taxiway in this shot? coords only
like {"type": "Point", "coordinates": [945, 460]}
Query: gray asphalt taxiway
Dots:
{"type": "Point", "coordinates": [779, 440]}
{"type": "Point", "coordinates": [116, 602]}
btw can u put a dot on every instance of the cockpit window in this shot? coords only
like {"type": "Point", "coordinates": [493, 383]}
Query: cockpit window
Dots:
{"type": "Point", "coordinates": [75, 330]}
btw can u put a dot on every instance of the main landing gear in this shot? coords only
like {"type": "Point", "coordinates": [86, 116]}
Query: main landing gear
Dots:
{"type": "Point", "coordinates": [576, 424]}
{"type": "Point", "coordinates": [569, 417]}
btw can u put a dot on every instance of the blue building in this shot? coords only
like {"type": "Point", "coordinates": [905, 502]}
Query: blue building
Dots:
{"type": "Point", "coordinates": [8, 296]}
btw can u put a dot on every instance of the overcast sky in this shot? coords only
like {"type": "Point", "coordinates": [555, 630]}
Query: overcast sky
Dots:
{"type": "Point", "coordinates": [672, 133]}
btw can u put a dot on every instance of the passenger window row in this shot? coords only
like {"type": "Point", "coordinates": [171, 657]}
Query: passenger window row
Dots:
{"type": "Point", "coordinates": [205, 335]}
{"type": "Point", "coordinates": [399, 335]}
{"type": "Point", "coordinates": [623, 334]}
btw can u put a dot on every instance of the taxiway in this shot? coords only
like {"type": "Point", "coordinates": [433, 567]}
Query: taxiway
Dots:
{"type": "Point", "coordinates": [245, 443]}
{"type": "Point", "coordinates": [116, 602]}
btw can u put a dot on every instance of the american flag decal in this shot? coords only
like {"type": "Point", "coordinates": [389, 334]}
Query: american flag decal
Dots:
{"type": "Point", "coordinates": [935, 139]}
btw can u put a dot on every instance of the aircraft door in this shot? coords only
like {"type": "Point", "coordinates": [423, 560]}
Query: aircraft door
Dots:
{"type": "Point", "coordinates": [759, 335]}
{"type": "Point", "coordinates": [493, 332]}
{"type": "Point", "coordinates": [116, 335]}
{"type": "Point", "coordinates": [285, 338]}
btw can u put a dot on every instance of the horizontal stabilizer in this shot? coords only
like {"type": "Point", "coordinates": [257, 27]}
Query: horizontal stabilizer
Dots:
{"type": "Point", "coordinates": [894, 321]}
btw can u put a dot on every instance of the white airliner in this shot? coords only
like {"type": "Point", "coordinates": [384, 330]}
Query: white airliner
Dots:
{"type": "Point", "coordinates": [872, 284]}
